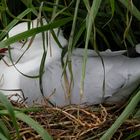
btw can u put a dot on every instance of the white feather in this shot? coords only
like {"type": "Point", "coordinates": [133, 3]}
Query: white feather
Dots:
{"type": "Point", "coordinates": [122, 74]}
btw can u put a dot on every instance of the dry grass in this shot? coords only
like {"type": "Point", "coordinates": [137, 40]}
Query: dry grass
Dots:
{"type": "Point", "coordinates": [76, 123]}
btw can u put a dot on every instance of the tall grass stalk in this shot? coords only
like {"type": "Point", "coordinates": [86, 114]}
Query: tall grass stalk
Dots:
{"type": "Point", "coordinates": [70, 47]}
{"type": "Point", "coordinates": [134, 11]}
{"type": "Point", "coordinates": [125, 114]}
{"type": "Point", "coordinates": [89, 23]}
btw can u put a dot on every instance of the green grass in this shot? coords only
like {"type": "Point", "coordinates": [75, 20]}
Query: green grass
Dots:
{"type": "Point", "coordinates": [97, 24]}
{"type": "Point", "coordinates": [8, 110]}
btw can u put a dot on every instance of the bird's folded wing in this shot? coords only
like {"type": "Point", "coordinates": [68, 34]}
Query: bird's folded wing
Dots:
{"type": "Point", "coordinates": [114, 82]}
{"type": "Point", "coordinates": [92, 53]}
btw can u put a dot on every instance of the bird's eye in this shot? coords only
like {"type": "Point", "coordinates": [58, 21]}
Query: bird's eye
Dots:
{"type": "Point", "coordinates": [23, 41]}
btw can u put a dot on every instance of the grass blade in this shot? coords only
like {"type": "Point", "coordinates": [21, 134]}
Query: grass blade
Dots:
{"type": "Point", "coordinates": [4, 130]}
{"type": "Point", "coordinates": [90, 21]}
{"type": "Point", "coordinates": [112, 4]}
{"type": "Point", "coordinates": [134, 11]}
{"type": "Point", "coordinates": [2, 137]}
{"type": "Point", "coordinates": [134, 135]}
{"type": "Point", "coordinates": [14, 22]}
{"type": "Point", "coordinates": [10, 110]}
{"type": "Point", "coordinates": [33, 32]}
{"type": "Point", "coordinates": [35, 125]}
{"type": "Point", "coordinates": [128, 110]}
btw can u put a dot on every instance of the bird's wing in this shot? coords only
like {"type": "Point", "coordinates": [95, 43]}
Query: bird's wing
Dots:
{"type": "Point", "coordinates": [113, 83]}
{"type": "Point", "coordinates": [92, 53]}
{"type": "Point", "coordinates": [130, 84]}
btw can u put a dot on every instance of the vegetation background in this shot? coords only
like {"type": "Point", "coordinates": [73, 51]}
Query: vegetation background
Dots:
{"type": "Point", "coordinates": [89, 24]}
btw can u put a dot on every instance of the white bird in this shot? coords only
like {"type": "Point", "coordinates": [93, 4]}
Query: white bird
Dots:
{"type": "Point", "coordinates": [122, 74]}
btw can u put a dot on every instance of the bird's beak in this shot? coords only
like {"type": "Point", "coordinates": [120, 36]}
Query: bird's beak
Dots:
{"type": "Point", "coordinates": [3, 50]}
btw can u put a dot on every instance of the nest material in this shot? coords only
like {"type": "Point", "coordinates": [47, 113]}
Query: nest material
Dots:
{"type": "Point", "coordinates": [76, 123]}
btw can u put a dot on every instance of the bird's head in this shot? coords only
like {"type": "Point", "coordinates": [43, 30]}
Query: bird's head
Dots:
{"type": "Point", "coordinates": [33, 46]}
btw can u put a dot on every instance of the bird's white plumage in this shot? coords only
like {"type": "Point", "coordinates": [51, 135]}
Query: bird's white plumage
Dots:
{"type": "Point", "coordinates": [122, 74]}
